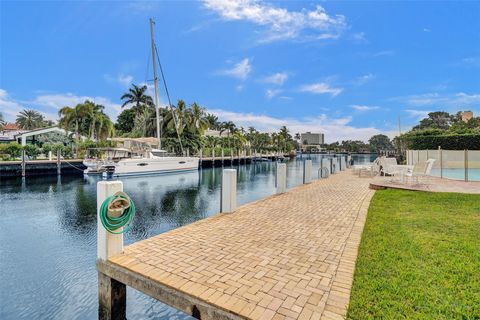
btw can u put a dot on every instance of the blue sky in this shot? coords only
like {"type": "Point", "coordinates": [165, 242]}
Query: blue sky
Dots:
{"type": "Point", "coordinates": [348, 69]}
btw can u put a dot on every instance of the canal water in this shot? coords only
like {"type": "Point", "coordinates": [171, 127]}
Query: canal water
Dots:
{"type": "Point", "coordinates": [48, 233]}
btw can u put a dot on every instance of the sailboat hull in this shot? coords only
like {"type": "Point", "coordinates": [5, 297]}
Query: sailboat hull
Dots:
{"type": "Point", "coordinates": [129, 167]}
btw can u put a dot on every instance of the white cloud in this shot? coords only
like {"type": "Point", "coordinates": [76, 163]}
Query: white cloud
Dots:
{"type": "Point", "coordinates": [472, 61]}
{"type": "Point", "coordinates": [49, 104]}
{"type": "Point", "coordinates": [361, 80]}
{"type": "Point", "coordinates": [122, 79]}
{"type": "Point", "coordinates": [457, 100]}
{"type": "Point", "coordinates": [334, 129]}
{"type": "Point", "coordinates": [277, 78]}
{"type": "Point", "coordinates": [418, 114]}
{"type": "Point", "coordinates": [321, 88]}
{"type": "Point", "coordinates": [359, 37]}
{"type": "Point", "coordinates": [426, 30]}
{"type": "Point", "coordinates": [364, 108]}
{"type": "Point", "coordinates": [383, 53]}
{"type": "Point", "coordinates": [57, 101]}
{"type": "Point", "coordinates": [280, 23]}
{"type": "Point", "coordinates": [270, 93]}
{"type": "Point", "coordinates": [9, 107]}
{"type": "Point", "coordinates": [240, 71]}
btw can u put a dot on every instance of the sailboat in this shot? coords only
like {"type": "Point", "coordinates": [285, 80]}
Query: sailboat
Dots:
{"type": "Point", "coordinates": [142, 156]}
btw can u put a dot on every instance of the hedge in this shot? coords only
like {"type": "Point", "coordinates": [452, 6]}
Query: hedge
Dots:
{"type": "Point", "coordinates": [446, 142]}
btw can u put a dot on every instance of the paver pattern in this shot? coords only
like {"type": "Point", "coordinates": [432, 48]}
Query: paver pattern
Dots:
{"type": "Point", "coordinates": [289, 256]}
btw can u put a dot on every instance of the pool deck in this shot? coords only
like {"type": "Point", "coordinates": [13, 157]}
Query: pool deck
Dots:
{"type": "Point", "coordinates": [288, 256]}
{"type": "Point", "coordinates": [432, 184]}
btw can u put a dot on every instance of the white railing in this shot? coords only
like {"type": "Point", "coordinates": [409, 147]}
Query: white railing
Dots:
{"type": "Point", "coordinates": [451, 164]}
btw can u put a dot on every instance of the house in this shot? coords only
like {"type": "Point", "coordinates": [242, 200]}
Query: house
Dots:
{"type": "Point", "coordinates": [216, 133]}
{"type": "Point", "coordinates": [7, 134]}
{"type": "Point", "coordinates": [30, 136]}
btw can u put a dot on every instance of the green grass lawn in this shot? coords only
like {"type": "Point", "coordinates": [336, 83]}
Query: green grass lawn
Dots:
{"type": "Point", "coordinates": [419, 257]}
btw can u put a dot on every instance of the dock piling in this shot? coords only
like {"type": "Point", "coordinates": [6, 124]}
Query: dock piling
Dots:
{"type": "Point", "coordinates": [59, 163]}
{"type": "Point", "coordinates": [228, 195]}
{"type": "Point", "coordinates": [24, 156]}
{"type": "Point", "coordinates": [112, 294]}
{"type": "Point", "coordinates": [281, 177]}
{"type": "Point", "coordinates": [108, 244]}
{"type": "Point", "coordinates": [307, 171]}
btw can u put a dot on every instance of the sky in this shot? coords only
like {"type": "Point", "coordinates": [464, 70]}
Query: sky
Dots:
{"type": "Point", "coordinates": [349, 69]}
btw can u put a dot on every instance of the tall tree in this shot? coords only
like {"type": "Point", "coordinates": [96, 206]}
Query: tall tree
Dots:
{"type": "Point", "coordinates": [2, 121]}
{"type": "Point", "coordinates": [137, 97]}
{"type": "Point", "coordinates": [29, 119]}
{"type": "Point", "coordinates": [436, 120]}
{"type": "Point", "coordinates": [380, 142]}
{"type": "Point", "coordinates": [74, 117]}
{"type": "Point", "coordinates": [125, 121]}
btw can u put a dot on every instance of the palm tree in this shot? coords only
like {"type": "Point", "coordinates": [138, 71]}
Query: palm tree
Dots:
{"type": "Point", "coordinates": [212, 121]}
{"type": "Point", "coordinates": [29, 119]}
{"type": "Point", "coordinates": [198, 121]}
{"type": "Point", "coordinates": [2, 121]}
{"type": "Point", "coordinates": [136, 96]}
{"type": "Point", "coordinates": [74, 117]}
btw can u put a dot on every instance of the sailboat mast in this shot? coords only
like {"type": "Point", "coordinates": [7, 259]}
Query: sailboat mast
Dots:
{"type": "Point", "coordinates": [155, 81]}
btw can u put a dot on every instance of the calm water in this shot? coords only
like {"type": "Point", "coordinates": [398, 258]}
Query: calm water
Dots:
{"type": "Point", "coordinates": [458, 174]}
{"type": "Point", "coordinates": [48, 234]}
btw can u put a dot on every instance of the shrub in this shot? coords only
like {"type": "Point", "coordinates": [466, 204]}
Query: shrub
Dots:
{"type": "Point", "coordinates": [12, 151]}
{"type": "Point", "coordinates": [446, 142]}
{"type": "Point", "coordinates": [32, 151]}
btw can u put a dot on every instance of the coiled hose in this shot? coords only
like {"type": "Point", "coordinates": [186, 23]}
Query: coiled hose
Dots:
{"type": "Point", "coordinates": [117, 211]}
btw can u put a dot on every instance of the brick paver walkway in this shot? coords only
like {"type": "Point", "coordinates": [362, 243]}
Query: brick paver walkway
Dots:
{"type": "Point", "coordinates": [289, 256]}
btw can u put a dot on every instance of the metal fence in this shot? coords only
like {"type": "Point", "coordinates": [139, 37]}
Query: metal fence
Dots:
{"type": "Point", "coordinates": [451, 164]}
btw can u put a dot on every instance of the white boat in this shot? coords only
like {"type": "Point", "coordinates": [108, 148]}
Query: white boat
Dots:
{"type": "Point", "coordinates": [139, 156]}
{"type": "Point", "coordinates": [117, 162]}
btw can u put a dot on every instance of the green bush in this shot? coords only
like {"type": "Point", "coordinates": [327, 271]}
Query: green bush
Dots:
{"type": "Point", "coordinates": [446, 142]}
{"type": "Point", "coordinates": [11, 151]}
{"type": "Point", "coordinates": [46, 148]}
{"type": "Point", "coordinates": [32, 151]}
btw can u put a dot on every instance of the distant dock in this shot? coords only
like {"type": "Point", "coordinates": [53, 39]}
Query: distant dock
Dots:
{"type": "Point", "coordinates": [41, 168]}
{"type": "Point", "coordinates": [289, 256]}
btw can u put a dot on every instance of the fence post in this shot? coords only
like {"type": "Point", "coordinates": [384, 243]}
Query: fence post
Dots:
{"type": "Point", "coordinates": [466, 164]}
{"type": "Point", "coordinates": [108, 244]}
{"type": "Point", "coordinates": [228, 196]}
{"type": "Point", "coordinates": [307, 171]}
{"type": "Point", "coordinates": [440, 157]}
{"type": "Point", "coordinates": [281, 179]}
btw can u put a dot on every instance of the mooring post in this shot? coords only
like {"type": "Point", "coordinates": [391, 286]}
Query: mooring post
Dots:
{"type": "Point", "coordinates": [59, 163]}
{"type": "Point", "coordinates": [108, 244]}
{"type": "Point", "coordinates": [343, 163]}
{"type": "Point", "coordinates": [24, 155]}
{"type": "Point", "coordinates": [307, 171]}
{"type": "Point", "coordinates": [281, 177]}
{"type": "Point", "coordinates": [228, 195]}
{"type": "Point", "coordinates": [112, 295]}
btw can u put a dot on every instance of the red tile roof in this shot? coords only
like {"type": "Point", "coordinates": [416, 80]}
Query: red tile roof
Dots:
{"type": "Point", "coordinates": [11, 126]}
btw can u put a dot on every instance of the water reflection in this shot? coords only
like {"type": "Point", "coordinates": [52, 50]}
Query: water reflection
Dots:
{"type": "Point", "coordinates": [48, 234]}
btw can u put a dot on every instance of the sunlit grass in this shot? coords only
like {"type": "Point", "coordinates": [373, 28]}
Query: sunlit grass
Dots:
{"type": "Point", "coordinates": [419, 258]}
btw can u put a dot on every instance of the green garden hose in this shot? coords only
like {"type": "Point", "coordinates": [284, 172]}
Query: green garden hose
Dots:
{"type": "Point", "coordinates": [117, 211]}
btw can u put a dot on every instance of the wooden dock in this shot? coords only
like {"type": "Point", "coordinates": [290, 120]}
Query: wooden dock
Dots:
{"type": "Point", "coordinates": [289, 256]}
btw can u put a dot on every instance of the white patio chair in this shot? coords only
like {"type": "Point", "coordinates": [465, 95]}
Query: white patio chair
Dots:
{"type": "Point", "coordinates": [420, 171]}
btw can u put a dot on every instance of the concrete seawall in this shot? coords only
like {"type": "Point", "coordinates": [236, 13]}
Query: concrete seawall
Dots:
{"type": "Point", "coordinates": [41, 168]}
